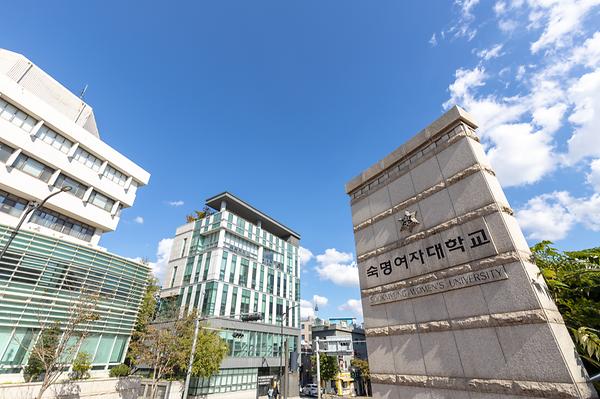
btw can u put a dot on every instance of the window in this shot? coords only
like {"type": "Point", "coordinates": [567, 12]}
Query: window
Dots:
{"type": "Point", "coordinates": [5, 152]}
{"type": "Point", "coordinates": [243, 280]}
{"type": "Point", "coordinates": [241, 245]}
{"type": "Point", "coordinates": [33, 167]}
{"type": "Point", "coordinates": [11, 204]}
{"type": "Point", "coordinates": [223, 300]}
{"type": "Point", "coordinates": [245, 306]}
{"type": "Point", "coordinates": [206, 266]}
{"type": "Point", "coordinates": [18, 118]}
{"type": "Point", "coordinates": [223, 266]}
{"type": "Point", "coordinates": [173, 277]}
{"type": "Point", "coordinates": [77, 189]}
{"type": "Point", "coordinates": [87, 159]}
{"type": "Point", "coordinates": [183, 247]}
{"type": "Point", "coordinates": [62, 224]}
{"type": "Point", "coordinates": [101, 201]}
{"type": "Point", "coordinates": [56, 140]}
{"type": "Point", "coordinates": [254, 271]}
{"type": "Point", "coordinates": [114, 175]}
{"type": "Point", "coordinates": [232, 268]}
{"type": "Point", "coordinates": [233, 302]}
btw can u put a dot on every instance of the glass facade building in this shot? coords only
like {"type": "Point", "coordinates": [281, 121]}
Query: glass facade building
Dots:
{"type": "Point", "coordinates": [235, 261]}
{"type": "Point", "coordinates": [41, 278]}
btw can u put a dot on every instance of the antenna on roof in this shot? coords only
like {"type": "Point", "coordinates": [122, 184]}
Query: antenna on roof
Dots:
{"type": "Point", "coordinates": [83, 92]}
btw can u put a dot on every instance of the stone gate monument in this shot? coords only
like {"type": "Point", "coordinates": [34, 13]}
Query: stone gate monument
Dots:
{"type": "Point", "coordinates": [453, 305]}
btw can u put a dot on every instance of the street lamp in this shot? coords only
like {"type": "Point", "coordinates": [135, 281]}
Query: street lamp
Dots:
{"type": "Point", "coordinates": [283, 376]}
{"type": "Point", "coordinates": [31, 207]}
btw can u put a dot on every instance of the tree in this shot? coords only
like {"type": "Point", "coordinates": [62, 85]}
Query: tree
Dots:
{"type": "Point", "coordinates": [145, 314]}
{"type": "Point", "coordinates": [363, 367]}
{"type": "Point", "coordinates": [328, 366]}
{"type": "Point", "coordinates": [81, 366]}
{"type": "Point", "coordinates": [573, 280]}
{"type": "Point", "coordinates": [57, 343]}
{"type": "Point", "coordinates": [211, 349]}
{"type": "Point", "coordinates": [165, 349]}
{"type": "Point", "coordinates": [365, 373]}
{"type": "Point", "coordinates": [197, 215]}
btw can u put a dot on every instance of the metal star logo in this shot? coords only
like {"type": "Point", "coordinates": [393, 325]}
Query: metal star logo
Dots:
{"type": "Point", "coordinates": [408, 221]}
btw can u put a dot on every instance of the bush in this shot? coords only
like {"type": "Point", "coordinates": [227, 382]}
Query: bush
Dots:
{"type": "Point", "coordinates": [81, 366]}
{"type": "Point", "coordinates": [120, 370]}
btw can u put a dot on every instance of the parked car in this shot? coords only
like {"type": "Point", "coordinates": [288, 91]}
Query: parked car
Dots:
{"type": "Point", "coordinates": [310, 390]}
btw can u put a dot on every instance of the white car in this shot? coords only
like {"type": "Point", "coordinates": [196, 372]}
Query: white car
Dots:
{"type": "Point", "coordinates": [310, 390]}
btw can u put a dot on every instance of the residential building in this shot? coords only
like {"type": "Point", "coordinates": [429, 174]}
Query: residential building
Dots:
{"type": "Point", "coordinates": [49, 140]}
{"type": "Point", "coordinates": [237, 260]}
{"type": "Point", "coordinates": [306, 333]}
{"type": "Point", "coordinates": [345, 340]}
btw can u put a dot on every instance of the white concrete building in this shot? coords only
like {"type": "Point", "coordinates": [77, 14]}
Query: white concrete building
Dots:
{"type": "Point", "coordinates": [49, 138]}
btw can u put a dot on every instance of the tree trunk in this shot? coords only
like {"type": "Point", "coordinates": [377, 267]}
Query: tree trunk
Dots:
{"type": "Point", "coordinates": [45, 385]}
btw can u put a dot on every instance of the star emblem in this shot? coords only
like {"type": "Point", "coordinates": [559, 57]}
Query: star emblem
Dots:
{"type": "Point", "coordinates": [408, 221]}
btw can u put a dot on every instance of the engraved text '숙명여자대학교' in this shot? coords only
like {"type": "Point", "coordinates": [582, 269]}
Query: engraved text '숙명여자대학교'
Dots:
{"type": "Point", "coordinates": [477, 238]}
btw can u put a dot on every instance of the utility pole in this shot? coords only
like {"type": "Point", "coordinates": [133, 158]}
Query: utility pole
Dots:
{"type": "Point", "coordinates": [318, 369]}
{"type": "Point", "coordinates": [285, 371]}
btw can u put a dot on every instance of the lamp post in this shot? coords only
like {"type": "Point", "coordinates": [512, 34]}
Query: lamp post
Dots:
{"type": "Point", "coordinates": [283, 376]}
{"type": "Point", "coordinates": [31, 207]}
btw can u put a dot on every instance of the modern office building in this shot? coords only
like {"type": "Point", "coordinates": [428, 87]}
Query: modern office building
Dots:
{"type": "Point", "coordinates": [49, 140]}
{"type": "Point", "coordinates": [233, 261]}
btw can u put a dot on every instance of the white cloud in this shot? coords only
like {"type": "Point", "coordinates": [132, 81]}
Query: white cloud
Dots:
{"type": "Point", "coordinates": [520, 156]}
{"type": "Point", "coordinates": [545, 217]}
{"type": "Point", "coordinates": [563, 19]}
{"type": "Point", "coordinates": [337, 267]}
{"type": "Point", "coordinates": [163, 252]}
{"type": "Point", "coordinates": [593, 178]}
{"type": "Point", "coordinates": [589, 53]}
{"type": "Point", "coordinates": [320, 300]}
{"type": "Point", "coordinates": [489, 53]}
{"type": "Point", "coordinates": [352, 305]}
{"type": "Point", "coordinates": [306, 309]}
{"type": "Point", "coordinates": [139, 220]}
{"type": "Point", "coordinates": [585, 95]}
{"type": "Point", "coordinates": [176, 203]}
{"type": "Point", "coordinates": [433, 40]}
{"type": "Point", "coordinates": [500, 7]}
{"type": "Point", "coordinates": [462, 28]}
{"type": "Point", "coordinates": [555, 94]}
{"type": "Point", "coordinates": [304, 255]}
{"type": "Point", "coordinates": [507, 25]}
{"type": "Point", "coordinates": [552, 216]}
{"type": "Point", "coordinates": [465, 81]}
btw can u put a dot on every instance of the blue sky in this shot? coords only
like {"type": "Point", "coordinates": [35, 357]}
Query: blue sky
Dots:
{"type": "Point", "coordinates": [281, 103]}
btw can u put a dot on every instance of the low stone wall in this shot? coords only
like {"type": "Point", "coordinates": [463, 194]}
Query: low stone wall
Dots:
{"type": "Point", "coordinates": [105, 388]}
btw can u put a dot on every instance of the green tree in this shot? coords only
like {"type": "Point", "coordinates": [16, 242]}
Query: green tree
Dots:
{"type": "Point", "coordinates": [211, 349]}
{"type": "Point", "coordinates": [328, 366]}
{"type": "Point", "coordinates": [81, 366]}
{"type": "Point", "coordinates": [165, 349]}
{"type": "Point", "coordinates": [145, 314]}
{"type": "Point", "coordinates": [363, 367]}
{"type": "Point", "coordinates": [573, 280]}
